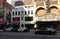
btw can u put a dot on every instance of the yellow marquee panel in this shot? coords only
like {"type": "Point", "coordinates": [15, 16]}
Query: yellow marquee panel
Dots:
{"type": "Point", "coordinates": [41, 12]}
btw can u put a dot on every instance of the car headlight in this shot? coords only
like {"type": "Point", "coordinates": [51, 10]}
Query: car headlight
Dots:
{"type": "Point", "coordinates": [9, 28]}
{"type": "Point", "coordinates": [53, 30]}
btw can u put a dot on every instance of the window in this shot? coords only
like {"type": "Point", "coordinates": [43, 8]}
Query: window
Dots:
{"type": "Point", "coordinates": [16, 19]}
{"type": "Point", "coordinates": [21, 18]}
{"type": "Point", "coordinates": [28, 12]}
{"type": "Point", "coordinates": [21, 12]}
{"type": "Point", "coordinates": [28, 18]}
{"type": "Point", "coordinates": [31, 11]}
{"type": "Point", "coordinates": [18, 12]}
{"type": "Point", "coordinates": [15, 13]}
{"type": "Point", "coordinates": [1, 14]}
{"type": "Point", "coordinates": [25, 12]}
{"type": "Point", "coordinates": [9, 13]}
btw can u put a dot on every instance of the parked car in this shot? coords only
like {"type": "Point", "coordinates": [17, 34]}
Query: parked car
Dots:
{"type": "Point", "coordinates": [15, 28]}
{"type": "Point", "coordinates": [8, 27]}
{"type": "Point", "coordinates": [23, 29]}
{"type": "Point", "coordinates": [46, 31]}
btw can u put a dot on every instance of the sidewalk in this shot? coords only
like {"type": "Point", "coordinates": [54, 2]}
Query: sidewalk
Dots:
{"type": "Point", "coordinates": [35, 30]}
{"type": "Point", "coordinates": [32, 31]}
{"type": "Point", "coordinates": [58, 31]}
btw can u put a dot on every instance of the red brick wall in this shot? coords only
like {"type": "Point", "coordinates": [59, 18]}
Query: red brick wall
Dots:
{"type": "Point", "coordinates": [1, 3]}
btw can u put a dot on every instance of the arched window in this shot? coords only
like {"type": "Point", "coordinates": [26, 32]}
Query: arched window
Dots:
{"type": "Point", "coordinates": [40, 11]}
{"type": "Point", "coordinates": [53, 10]}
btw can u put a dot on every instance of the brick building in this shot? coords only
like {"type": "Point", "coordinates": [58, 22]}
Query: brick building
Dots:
{"type": "Point", "coordinates": [44, 11]}
{"type": "Point", "coordinates": [5, 9]}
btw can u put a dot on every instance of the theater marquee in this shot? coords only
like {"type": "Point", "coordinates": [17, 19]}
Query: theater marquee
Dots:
{"type": "Point", "coordinates": [49, 17]}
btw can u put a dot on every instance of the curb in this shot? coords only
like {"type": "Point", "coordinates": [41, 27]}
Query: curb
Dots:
{"type": "Point", "coordinates": [35, 30]}
{"type": "Point", "coordinates": [32, 30]}
{"type": "Point", "coordinates": [1, 30]}
{"type": "Point", "coordinates": [58, 31]}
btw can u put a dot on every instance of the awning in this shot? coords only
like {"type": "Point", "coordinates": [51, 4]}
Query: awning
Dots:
{"type": "Point", "coordinates": [1, 22]}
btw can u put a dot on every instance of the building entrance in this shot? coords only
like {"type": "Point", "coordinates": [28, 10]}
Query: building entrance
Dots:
{"type": "Point", "coordinates": [44, 24]}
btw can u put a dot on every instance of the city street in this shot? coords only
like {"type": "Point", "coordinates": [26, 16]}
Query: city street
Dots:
{"type": "Point", "coordinates": [27, 15]}
{"type": "Point", "coordinates": [26, 35]}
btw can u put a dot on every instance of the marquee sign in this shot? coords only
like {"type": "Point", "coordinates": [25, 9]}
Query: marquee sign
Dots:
{"type": "Point", "coordinates": [49, 17]}
{"type": "Point", "coordinates": [39, 0]}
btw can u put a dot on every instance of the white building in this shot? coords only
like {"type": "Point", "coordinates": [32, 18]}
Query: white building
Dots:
{"type": "Point", "coordinates": [22, 15]}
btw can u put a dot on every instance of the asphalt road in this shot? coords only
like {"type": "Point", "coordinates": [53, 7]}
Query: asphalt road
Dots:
{"type": "Point", "coordinates": [26, 35]}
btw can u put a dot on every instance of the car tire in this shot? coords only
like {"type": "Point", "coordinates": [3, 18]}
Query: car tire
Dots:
{"type": "Point", "coordinates": [4, 30]}
{"type": "Point", "coordinates": [36, 33]}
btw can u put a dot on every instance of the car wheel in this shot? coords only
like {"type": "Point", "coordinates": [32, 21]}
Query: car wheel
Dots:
{"type": "Point", "coordinates": [4, 30]}
{"type": "Point", "coordinates": [54, 34]}
{"type": "Point", "coordinates": [26, 30]}
{"type": "Point", "coordinates": [36, 33]}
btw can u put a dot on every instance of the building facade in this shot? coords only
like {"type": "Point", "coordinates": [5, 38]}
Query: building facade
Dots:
{"type": "Point", "coordinates": [42, 10]}
{"type": "Point", "coordinates": [5, 9]}
{"type": "Point", "coordinates": [13, 2]}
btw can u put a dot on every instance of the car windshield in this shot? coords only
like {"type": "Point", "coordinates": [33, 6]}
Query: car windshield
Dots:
{"type": "Point", "coordinates": [15, 26]}
{"type": "Point", "coordinates": [8, 26]}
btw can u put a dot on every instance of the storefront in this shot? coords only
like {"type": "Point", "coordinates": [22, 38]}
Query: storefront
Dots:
{"type": "Point", "coordinates": [49, 20]}
{"type": "Point", "coordinates": [44, 24]}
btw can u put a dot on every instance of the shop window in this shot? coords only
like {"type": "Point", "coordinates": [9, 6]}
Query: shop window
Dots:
{"type": "Point", "coordinates": [16, 19]}
{"type": "Point", "coordinates": [28, 18]}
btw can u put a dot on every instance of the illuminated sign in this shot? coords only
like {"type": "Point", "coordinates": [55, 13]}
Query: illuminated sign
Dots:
{"type": "Point", "coordinates": [49, 17]}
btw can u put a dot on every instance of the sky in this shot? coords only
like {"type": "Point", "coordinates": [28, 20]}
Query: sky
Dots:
{"type": "Point", "coordinates": [9, 1]}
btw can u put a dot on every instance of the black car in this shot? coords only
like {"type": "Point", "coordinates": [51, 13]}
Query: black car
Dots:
{"type": "Point", "coordinates": [8, 28]}
{"type": "Point", "coordinates": [15, 27]}
{"type": "Point", "coordinates": [46, 31]}
{"type": "Point", "coordinates": [11, 27]}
